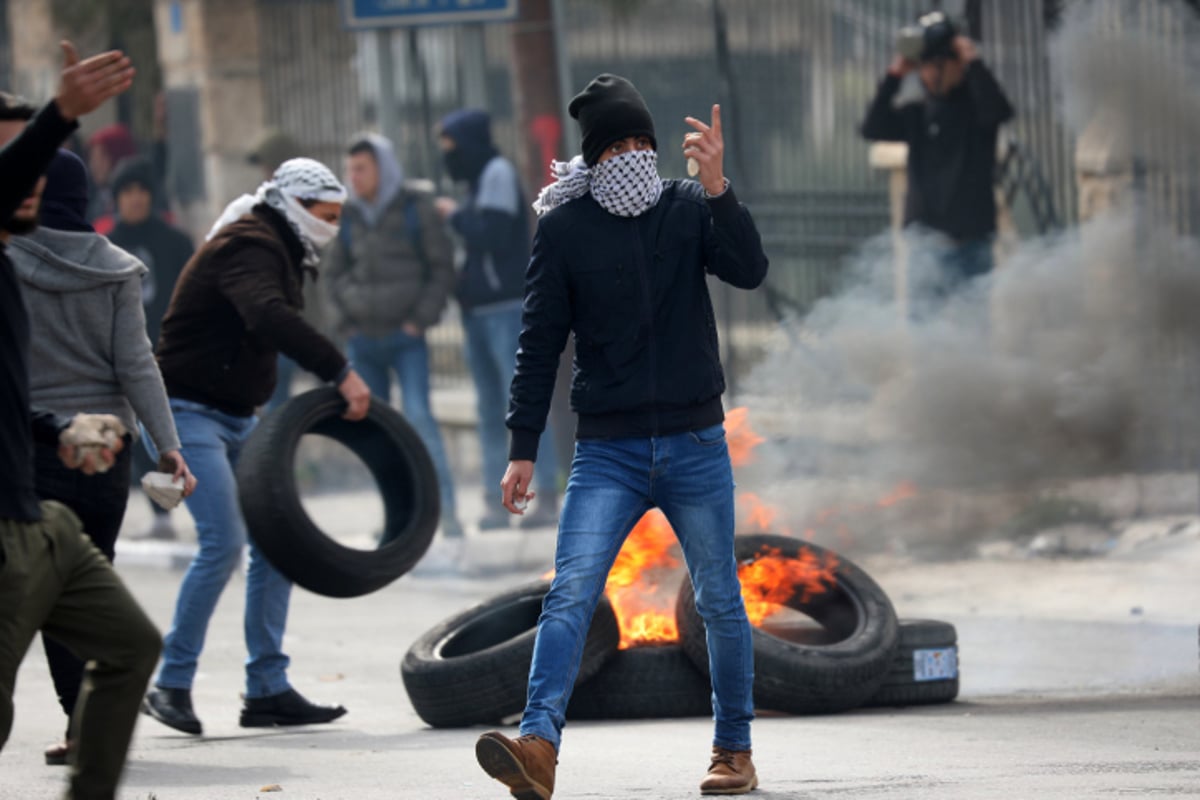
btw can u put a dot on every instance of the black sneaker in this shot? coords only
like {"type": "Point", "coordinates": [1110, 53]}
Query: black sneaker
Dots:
{"type": "Point", "coordinates": [173, 708]}
{"type": "Point", "coordinates": [285, 708]}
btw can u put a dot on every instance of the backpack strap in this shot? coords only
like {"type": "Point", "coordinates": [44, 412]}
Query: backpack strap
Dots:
{"type": "Point", "coordinates": [344, 238]}
{"type": "Point", "coordinates": [412, 226]}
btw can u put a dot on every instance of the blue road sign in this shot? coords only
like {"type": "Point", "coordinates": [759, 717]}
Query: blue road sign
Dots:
{"type": "Point", "coordinates": [394, 13]}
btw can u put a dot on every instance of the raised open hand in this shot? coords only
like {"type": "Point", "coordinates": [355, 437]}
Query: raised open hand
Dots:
{"type": "Point", "coordinates": [85, 85]}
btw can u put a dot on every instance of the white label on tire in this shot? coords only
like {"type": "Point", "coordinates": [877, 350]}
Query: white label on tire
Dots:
{"type": "Point", "coordinates": [935, 665]}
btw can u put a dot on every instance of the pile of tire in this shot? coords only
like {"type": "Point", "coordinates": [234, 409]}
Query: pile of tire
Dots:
{"type": "Point", "coordinates": [843, 649]}
{"type": "Point", "coordinates": [275, 516]}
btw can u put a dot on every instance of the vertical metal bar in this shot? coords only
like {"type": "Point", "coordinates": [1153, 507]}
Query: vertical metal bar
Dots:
{"type": "Point", "coordinates": [474, 69]}
{"type": "Point", "coordinates": [416, 60]}
{"type": "Point", "coordinates": [389, 123]}
{"type": "Point", "coordinates": [566, 81]}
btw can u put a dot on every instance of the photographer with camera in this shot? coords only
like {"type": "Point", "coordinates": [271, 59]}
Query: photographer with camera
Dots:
{"type": "Point", "coordinates": [951, 136]}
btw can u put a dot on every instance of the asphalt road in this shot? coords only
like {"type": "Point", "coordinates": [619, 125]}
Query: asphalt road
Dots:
{"type": "Point", "coordinates": [1079, 680]}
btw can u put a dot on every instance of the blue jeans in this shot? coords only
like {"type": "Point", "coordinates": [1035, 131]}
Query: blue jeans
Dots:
{"type": "Point", "coordinates": [211, 441]}
{"type": "Point", "coordinates": [954, 268]}
{"type": "Point", "coordinates": [612, 483]}
{"type": "Point", "coordinates": [374, 358]}
{"type": "Point", "coordinates": [964, 261]}
{"type": "Point", "coordinates": [491, 345]}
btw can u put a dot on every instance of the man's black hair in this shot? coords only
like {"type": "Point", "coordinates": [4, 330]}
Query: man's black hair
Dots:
{"type": "Point", "coordinates": [13, 107]}
{"type": "Point", "coordinates": [362, 146]}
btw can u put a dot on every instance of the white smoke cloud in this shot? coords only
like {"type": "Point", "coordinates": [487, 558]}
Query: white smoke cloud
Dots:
{"type": "Point", "coordinates": [1079, 356]}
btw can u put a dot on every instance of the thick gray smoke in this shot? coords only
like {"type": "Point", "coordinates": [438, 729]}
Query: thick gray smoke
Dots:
{"type": "Point", "coordinates": [1130, 67]}
{"type": "Point", "coordinates": [1080, 356]}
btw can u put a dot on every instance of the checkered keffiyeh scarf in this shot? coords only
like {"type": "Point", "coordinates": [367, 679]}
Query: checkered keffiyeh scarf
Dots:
{"type": "Point", "coordinates": [627, 185]}
{"type": "Point", "coordinates": [294, 180]}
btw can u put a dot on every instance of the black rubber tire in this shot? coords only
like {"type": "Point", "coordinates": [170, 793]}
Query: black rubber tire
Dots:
{"type": "Point", "coordinates": [646, 682]}
{"type": "Point", "coordinates": [810, 676]}
{"type": "Point", "coordinates": [278, 524]}
{"type": "Point", "coordinates": [472, 669]}
{"type": "Point", "coordinates": [900, 687]}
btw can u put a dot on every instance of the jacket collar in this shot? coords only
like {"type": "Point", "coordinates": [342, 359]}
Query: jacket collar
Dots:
{"type": "Point", "coordinates": [291, 242]}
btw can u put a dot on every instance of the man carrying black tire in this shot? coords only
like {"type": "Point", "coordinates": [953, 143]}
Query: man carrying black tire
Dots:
{"type": "Point", "coordinates": [235, 307]}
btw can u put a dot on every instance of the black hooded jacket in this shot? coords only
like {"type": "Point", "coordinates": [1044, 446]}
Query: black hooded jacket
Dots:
{"type": "Point", "coordinates": [22, 162]}
{"type": "Point", "coordinates": [163, 248]}
{"type": "Point", "coordinates": [493, 221]}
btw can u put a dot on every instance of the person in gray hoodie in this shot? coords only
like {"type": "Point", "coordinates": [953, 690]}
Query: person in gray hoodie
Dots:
{"type": "Point", "coordinates": [89, 354]}
{"type": "Point", "coordinates": [389, 275]}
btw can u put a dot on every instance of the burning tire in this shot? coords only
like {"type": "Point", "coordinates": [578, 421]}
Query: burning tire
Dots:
{"type": "Point", "coordinates": [805, 669]}
{"type": "Point", "coordinates": [647, 682]}
{"type": "Point", "coordinates": [473, 667]}
{"type": "Point", "coordinates": [279, 525]}
{"type": "Point", "coordinates": [925, 668]}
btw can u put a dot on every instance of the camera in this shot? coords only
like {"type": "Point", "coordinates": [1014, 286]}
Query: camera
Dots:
{"type": "Point", "coordinates": [931, 38]}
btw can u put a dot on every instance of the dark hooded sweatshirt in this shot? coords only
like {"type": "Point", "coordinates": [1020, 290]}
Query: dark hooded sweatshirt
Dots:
{"type": "Point", "coordinates": [22, 162]}
{"type": "Point", "coordinates": [493, 221]}
{"type": "Point", "coordinates": [951, 151]}
{"type": "Point", "coordinates": [155, 242]}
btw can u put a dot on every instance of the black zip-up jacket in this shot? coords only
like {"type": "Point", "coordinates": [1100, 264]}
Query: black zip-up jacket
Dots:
{"type": "Point", "coordinates": [634, 293]}
{"type": "Point", "coordinates": [22, 162]}
{"type": "Point", "coordinates": [951, 151]}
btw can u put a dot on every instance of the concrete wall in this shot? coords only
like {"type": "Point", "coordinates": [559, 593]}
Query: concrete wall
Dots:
{"type": "Point", "coordinates": [209, 54]}
{"type": "Point", "coordinates": [37, 57]}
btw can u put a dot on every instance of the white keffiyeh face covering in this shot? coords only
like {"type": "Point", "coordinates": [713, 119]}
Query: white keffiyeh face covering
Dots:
{"type": "Point", "coordinates": [626, 185]}
{"type": "Point", "coordinates": [311, 229]}
{"type": "Point", "coordinates": [295, 180]}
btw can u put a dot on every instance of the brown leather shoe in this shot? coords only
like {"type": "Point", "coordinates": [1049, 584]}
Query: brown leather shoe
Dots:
{"type": "Point", "coordinates": [525, 764]}
{"type": "Point", "coordinates": [731, 772]}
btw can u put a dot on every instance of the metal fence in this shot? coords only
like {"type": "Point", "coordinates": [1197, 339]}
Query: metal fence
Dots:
{"type": "Point", "coordinates": [793, 77]}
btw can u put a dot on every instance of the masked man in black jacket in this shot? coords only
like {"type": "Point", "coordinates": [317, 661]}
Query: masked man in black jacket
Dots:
{"type": "Point", "coordinates": [951, 135]}
{"type": "Point", "coordinates": [620, 260]}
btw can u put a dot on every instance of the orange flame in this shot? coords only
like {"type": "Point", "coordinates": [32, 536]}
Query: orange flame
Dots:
{"type": "Point", "coordinates": [739, 437]}
{"type": "Point", "coordinates": [644, 614]}
{"type": "Point", "coordinates": [904, 490]}
{"type": "Point", "coordinates": [760, 517]}
{"type": "Point", "coordinates": [771, 579]}
{"type": "Point", "coordinates": [645, 607]}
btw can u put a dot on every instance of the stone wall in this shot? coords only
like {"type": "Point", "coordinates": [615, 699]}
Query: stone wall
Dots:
{"type": "Point", "coordinates": [208, 50]}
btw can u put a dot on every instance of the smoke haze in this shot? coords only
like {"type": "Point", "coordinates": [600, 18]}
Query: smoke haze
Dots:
{"type": "Point", "coordinates": [1077, 357]}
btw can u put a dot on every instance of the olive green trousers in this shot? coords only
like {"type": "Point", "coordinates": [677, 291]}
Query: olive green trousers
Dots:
{"type": "Point", "coordinates": [53, 579]}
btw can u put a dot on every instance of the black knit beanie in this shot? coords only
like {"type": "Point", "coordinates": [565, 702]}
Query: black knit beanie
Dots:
{"type": "Point", "coordinates": [139, 170]}
{"type": "Point", "coordinates": [608, 109]}
{"type": "Point", "coordinates": [65, 198]}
